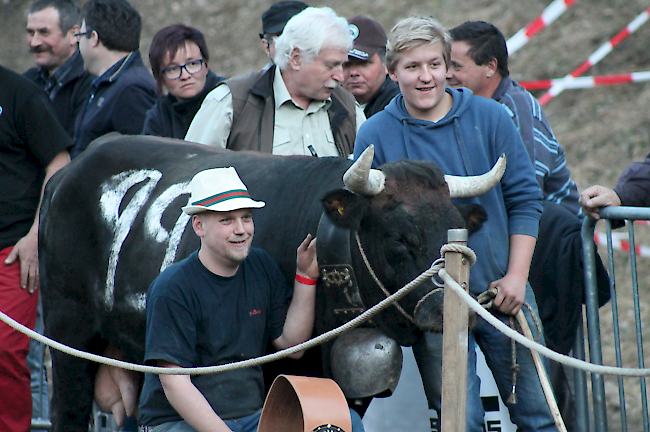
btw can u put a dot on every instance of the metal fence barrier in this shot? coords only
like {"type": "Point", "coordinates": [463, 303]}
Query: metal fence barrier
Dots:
{"type": "Point", "coordinates": [598, 422]}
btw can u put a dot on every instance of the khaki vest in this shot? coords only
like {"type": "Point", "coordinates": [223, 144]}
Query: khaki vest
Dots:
{"type": "Point", "coordinates": [254, 114]}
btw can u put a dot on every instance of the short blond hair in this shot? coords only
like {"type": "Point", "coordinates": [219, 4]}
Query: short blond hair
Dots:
{"type": "Point", "coordinates": [413, 32]}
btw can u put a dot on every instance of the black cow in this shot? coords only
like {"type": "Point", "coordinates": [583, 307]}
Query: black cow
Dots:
{"type": "Point", "coordinates": [111, 221]}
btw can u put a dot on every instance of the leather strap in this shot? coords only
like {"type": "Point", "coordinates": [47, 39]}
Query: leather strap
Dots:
{"type": "Point", "coordinates": [304, 404]}
{"type": "Point", "coordinates": [335, 266]}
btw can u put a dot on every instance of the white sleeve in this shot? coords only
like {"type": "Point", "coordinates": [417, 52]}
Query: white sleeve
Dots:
{"type": "Point", "coordinates": [212, 123]}
{"type": "Point", "coordinates": [361, 117]}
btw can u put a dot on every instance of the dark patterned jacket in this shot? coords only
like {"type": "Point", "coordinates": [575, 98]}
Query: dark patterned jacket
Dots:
{"type": "Point", "coordinates": [68, 88]}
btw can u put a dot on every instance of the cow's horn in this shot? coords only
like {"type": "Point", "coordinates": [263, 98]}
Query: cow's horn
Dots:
{"type": "Point", "coordinates": [360, 178]}
{"type": "Point", "coordinates": [467, 187]}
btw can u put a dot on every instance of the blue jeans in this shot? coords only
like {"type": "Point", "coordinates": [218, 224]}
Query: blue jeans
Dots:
{"type": "Point", "coordinates": [530, 413]}
{"type": "Point", "coordinates": [243, 424]}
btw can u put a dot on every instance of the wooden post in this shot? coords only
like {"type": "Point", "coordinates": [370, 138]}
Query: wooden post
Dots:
{"type": "Point", "coordinates": [455, 327]}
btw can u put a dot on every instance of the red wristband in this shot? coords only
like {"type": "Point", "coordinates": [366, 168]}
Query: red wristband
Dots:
{"type": "Point", "coordinates": [306, 281]}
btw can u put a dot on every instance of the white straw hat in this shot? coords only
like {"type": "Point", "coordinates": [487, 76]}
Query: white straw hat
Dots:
{"type": "Point", "coordinates": [219, 189]}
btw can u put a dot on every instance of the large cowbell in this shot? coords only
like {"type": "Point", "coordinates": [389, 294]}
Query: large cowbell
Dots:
{"type": "Point", "coordinates": [365, 362]}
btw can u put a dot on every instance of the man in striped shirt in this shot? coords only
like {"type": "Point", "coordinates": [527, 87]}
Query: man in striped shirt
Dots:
{"type": "Point", "coordinates": [480, 62]}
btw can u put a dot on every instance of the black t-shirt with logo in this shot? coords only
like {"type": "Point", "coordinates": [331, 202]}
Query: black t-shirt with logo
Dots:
{"type": "Point", "coordinates": [197, 318]}
{"type": "Point", "coordinates": [30, 137]}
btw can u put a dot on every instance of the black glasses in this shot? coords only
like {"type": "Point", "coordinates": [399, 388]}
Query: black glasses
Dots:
{"type": "Point", "coordinates": [175, 72]}
{"type": "Point", "coordinates": [78, 35]}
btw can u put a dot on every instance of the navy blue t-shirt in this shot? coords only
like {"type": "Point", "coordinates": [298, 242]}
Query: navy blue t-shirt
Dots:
{"type": "Point", "coordinates": [197, 318]}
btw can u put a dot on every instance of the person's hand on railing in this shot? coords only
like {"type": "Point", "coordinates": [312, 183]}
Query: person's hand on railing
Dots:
{"type": "Point", "coordinates": [596, 197]}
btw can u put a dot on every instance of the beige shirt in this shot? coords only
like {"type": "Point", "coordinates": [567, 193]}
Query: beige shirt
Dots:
{"type": "Point", "coordinates": [295, 130]}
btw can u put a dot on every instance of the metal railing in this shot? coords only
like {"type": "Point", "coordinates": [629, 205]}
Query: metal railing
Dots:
{"type": "Point", "coordinates": [598, 422]}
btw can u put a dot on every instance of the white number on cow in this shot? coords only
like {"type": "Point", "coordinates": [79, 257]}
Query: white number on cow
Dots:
{"type": "Point", "coordinates": [114, 191]}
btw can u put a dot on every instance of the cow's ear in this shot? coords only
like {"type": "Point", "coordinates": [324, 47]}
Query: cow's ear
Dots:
{"type": "Point", "coordinates": [345, 208]}
{"type": "Point", "coordinates": [474, 216]}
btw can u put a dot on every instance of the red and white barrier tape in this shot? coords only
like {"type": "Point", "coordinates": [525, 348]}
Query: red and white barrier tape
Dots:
{"type": "Point", "coordinates": [597, 56]}
{"type": "Point", "coordinates": [620, 242]}
{"type": "Point", "coordinates": [550, 14]}
{"type": "Point", "coordinates": [588, 81]}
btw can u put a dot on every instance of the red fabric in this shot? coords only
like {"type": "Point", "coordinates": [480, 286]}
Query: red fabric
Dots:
{"type": "Point", "coordinates": [15, 390]}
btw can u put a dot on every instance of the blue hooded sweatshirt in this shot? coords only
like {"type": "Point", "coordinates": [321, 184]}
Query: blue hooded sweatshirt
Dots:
{"type": "Point", "coordinates": [467, 141]}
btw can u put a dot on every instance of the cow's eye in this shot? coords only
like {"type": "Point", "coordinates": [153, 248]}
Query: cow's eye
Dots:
{"type": "Point", "coordinates": [397, 244]}
{"type": "Point", "coordinates": [413, 241]}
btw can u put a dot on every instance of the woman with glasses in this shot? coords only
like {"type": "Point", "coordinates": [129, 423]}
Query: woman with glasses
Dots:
{"type": "Point", "coordinates": [179, 60]}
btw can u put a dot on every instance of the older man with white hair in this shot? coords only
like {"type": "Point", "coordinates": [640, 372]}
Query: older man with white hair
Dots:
{"type": "Point", "coordinates": [296, 107]}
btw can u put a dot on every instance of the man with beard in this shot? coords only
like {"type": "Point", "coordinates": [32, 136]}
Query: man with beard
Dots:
{"type": "Point", "coordinates": [59, 70]}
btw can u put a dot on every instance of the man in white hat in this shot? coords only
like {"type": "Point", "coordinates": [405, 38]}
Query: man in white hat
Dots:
{"type": "Point", "coordinates": [222, 304]}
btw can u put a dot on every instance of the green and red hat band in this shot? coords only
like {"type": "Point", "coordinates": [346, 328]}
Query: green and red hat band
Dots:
{"type": "Point", "coordinates": [224, 196]}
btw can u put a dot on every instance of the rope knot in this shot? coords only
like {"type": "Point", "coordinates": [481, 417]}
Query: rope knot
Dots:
{"type": "Point", "coordinates": [466, 251]}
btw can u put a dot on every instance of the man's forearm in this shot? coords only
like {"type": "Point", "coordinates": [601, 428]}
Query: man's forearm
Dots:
{"type": "Point", "coordinates": [300, 317]}
{"type": "Point", "coordinates": [521, 254]}
{"type": "Point", "coordinates": [511, 289]}
{"type": "Point", "coordinates": [190, 404]}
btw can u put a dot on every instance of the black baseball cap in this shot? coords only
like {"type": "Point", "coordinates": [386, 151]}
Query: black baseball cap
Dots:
{"type": "Point", "coordinates": [369, 36]}
{"type": "Point", "coordinates": [274, 19]}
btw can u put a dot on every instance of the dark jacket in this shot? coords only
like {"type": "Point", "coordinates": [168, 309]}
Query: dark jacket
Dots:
{"type": "Point", "coordinates": [388, 90]}
{"type": "Point", "coordinates": [633, 187]}
{"type": "Point", "coordinates": [171, 118]}
{"type": "Point", "coordinates": [557, 276]}
{"type": "Point", "coordinates": [68, 88]}
{"type": "Point", "coordinates": [254, 114]}
{"type": "Point", "coordinates": [118, 102]}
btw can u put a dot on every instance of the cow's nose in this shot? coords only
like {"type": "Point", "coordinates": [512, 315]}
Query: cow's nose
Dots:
{"type": "Point", "coordinates": [428, 312]}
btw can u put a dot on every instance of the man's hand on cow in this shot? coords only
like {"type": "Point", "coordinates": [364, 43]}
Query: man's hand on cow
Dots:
{"type": "Point", "coordinates": [511, 292]}
{"type": "Point", "coordinates": [596, 197]}
{"type": "Point", "coordinates": [26, 250]}
{"type": "Point", "coordinates": [307, 262]}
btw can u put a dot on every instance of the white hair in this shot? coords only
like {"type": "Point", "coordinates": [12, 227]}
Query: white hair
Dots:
{"type": "Point", "coordinates": [310, 31]}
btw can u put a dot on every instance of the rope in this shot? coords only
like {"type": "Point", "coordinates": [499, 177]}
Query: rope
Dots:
{"type": "Point", "coordinates": [434, 269]}
{"type": "Point", "coordinates": [437, 265]}
{"type": "Point", "coordinates": [442, 273]}
{"type": "Point", "coordinates": [530, 344]}
{"type": "Point", "coordinates": [485, 299]}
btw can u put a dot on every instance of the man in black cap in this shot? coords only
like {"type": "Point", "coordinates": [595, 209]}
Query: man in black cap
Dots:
{"type": "Point", "coordinates": [365, 72]}
{"type": "Point", "coordinates": [273, 22]}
